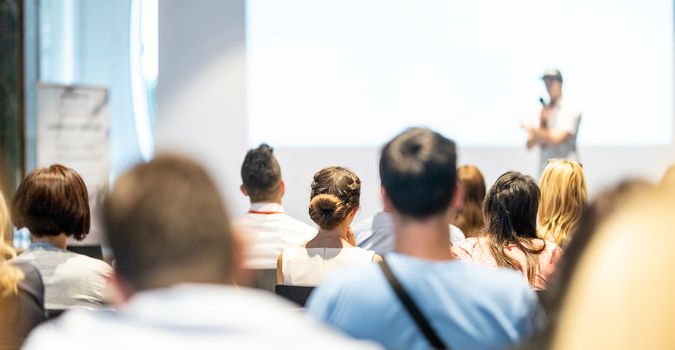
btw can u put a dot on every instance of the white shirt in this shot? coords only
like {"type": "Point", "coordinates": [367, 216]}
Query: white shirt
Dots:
{"type": "Point", "coordinates": [377, 233]}
{"type": "Point", "coordinates": [268, 231]}
{"type": "Point", "coordinates": [564, 116]}
{"type": "Point", "coordinates": [192, 316]}
{"type": "Point", "coordinates": [309, 266]}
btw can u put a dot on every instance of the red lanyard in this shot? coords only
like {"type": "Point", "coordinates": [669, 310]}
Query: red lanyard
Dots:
{"type": "Point", "coordinates": [265, 212]}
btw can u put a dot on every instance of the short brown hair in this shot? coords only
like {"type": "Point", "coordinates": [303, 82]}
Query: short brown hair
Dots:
{"type": "Point", "coordinates": [335, 192]}
{"type": "Point", "coordinates": [166, 224]}
{"type": "Point", "coordinates": [51, 201]}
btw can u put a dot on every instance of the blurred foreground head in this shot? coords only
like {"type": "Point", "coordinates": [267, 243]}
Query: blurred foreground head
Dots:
{"type": "Point", "coordinates": [621, 297]}
{"type": "Point", "coordinates": [166, 224]}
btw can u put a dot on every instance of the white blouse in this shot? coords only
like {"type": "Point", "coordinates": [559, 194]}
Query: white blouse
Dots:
{"type": "Point", "coordinates": [309, 266]}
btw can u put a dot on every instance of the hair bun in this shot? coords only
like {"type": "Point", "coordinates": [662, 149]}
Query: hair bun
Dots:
{"type": "Point", "coordinates": [327, 211]}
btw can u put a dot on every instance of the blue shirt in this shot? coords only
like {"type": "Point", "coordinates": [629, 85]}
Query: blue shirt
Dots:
{"type": "Point", "coordinates": [469, 307]}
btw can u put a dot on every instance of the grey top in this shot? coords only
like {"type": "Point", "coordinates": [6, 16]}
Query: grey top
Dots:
{"type": "Point", "coordinates": [70, 279]}
{"type": "Point", "coordinates": [21, 312]}
{"type": "Point", "coordinates": [376, 233]}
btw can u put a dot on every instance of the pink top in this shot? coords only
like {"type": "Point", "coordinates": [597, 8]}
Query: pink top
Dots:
{"type": "Point", "coordinates": [477, 250]}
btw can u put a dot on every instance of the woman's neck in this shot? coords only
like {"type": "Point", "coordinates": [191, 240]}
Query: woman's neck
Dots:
{"type": "Point", "coordinates": [59, 241]}
{"type": "Point", "coordinates": [329, 239]}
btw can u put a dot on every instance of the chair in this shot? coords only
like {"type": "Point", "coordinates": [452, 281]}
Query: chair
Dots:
{"type": "Point", "coordinates": [265, 279]}
{"type": "Point", "coordinates": [54, 313]}
{"type": "Point", "coordinates": [91, 250]}
{"type": "Point", "coordinates": [296, 294]}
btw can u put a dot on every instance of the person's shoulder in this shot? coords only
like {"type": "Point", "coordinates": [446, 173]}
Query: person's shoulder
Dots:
{"type": "Point", "coordinates": [550, 247]}
{"type": "Point", "coordinates": [488, 279]}
{"type": "Point", "coordinates": [70, 330]}
{"type": "Point", "coordinates": [242, 221]}
{"type": "Point", "coordinates": [363, 224]}
{"type": "Point", "coordinates": [349, 284]}
{"type": "Point", "coordinates": [25, 266]}
{"type": "Point", "coordinates": [362, 251]}
{"type": "Point", "coordinates": [465, 246]}
{"type": "Point", "coordinates": [297, 224]}
{"type": "Point", "coordinates": [84, 262]}
{"type": "Point", "coordinates": [32, 281]}
{"type": "Point", "coordinates": [24, 257]}
{"type": "Point", "coordinates": [286, 321]}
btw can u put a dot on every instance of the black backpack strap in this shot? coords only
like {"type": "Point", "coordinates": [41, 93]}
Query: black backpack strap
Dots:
{"type": "Point", "coordinates": [412, 309]}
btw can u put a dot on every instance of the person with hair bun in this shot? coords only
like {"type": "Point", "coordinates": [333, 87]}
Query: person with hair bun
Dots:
{"type": "Point", "coordinates": [333, 204]}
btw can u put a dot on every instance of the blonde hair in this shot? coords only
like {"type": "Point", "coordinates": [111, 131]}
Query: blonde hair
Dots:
{"type": "Point", "coordinates": [10, 276]}
{"type": "Point", "coordinates": [563, 196]}
{"type": "Point", "coordinates": [668, 179]}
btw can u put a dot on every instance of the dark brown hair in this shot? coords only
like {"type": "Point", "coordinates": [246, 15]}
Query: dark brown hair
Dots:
{"type": "Point", "coordinates": [261, 173]}
{"type": "Point", "coordinates": [510, 210]}
{"type": "Point", "coordinates": [166, 224]}
{"type": "Point", "coordinates": [335, 192]}
{"type": "Point", "coordinates": [51, 201]}
{"type": "Point", "coordinates": [470, 216]}
{"type": "Point", "coordinates": [418, 170]}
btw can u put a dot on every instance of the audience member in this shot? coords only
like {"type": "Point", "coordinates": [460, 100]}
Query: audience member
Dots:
{"type": "Point", "coordinates": [668, 179]}
{"type": "Point", "coordinates": [470, 214]}
{"type": "Point", "coordinates": [593, 215]}
{"type": "Point", "coordinates": [266, 226]}
{"type": "Point", "coordinates": [466, 306]}
{"type": "Point", "coordinates": [376, 232]}
{"type": "Point", "coordinates": [334, 201]}
{"type": "Point", "coordinates": [53, 204]}
{"type": "Point", "coordinates": [174, 266]}
{"type": "Point", "coordinates": [620, 297]}
{"type": "Point", "coordinates": [21, 291]}
{"type": "Point", "coordinates": [563, 195]}
{"type": "Point", "coordinates": [510, 239]}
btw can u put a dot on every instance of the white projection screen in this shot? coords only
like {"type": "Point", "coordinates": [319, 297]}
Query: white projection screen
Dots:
{"type": "Point", "coordinates": [352, 73]}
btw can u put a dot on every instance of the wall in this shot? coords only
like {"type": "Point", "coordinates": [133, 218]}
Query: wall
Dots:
{"type": "Point", "coordinates": [201, 111]}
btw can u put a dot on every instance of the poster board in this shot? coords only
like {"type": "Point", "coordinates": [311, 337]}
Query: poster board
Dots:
{"type": "Point", "coordinates": [73, 129]}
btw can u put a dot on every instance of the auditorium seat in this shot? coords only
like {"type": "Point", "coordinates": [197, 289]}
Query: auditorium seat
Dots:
{"type": "Point", "coordinates": [296, 294]}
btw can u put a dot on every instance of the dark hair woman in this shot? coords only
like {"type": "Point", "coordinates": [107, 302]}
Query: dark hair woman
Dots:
{"type": "Point", "coordinates": [510, 238]}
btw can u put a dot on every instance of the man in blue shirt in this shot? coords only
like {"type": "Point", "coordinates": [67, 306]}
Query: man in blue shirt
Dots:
{"type": "Point", "coordinates": [468, 307]}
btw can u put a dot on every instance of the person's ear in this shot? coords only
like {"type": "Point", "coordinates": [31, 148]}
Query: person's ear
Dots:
{"type": "Point", "coordinates": [456, 201]}
{"type": "Point", "coordinates": [243, 190]}
{"type": "Point", "coordinates": [386, 201]}
{"type": "Point", "coordinates": [282, 188]}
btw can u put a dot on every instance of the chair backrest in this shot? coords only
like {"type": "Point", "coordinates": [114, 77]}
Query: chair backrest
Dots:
{"type": "Point", "coordinates": [91, 250]}
{"type": "Point", "coordinates": [54, 313]}
{"type": "Point", "coordinates": [265, 279]}
{"type": "Point", "coordinates": [296, 294]}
